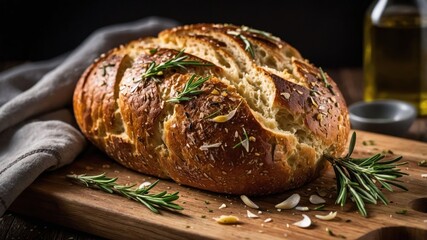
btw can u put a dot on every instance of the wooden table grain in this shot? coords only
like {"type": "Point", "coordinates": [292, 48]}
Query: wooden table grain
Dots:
{"type": "Point", "coordinates": [15, 226]}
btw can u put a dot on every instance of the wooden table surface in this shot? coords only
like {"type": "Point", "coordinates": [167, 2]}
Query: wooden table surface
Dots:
{"type": "Point", "coordinates": [15, 226]}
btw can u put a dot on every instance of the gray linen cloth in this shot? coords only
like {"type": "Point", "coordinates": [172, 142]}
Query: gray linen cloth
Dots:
{"type": "Point", "coordinates": [37, 128]}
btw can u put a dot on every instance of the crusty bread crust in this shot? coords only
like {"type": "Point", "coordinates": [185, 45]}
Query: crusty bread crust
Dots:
{"type": "Point", "coordinates": [289, 114]}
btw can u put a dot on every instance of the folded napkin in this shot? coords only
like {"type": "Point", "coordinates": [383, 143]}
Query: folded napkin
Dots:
{"type": "Point", "coordinates": [37, 128]}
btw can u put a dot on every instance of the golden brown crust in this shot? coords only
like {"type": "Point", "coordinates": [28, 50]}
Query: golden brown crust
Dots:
{"type": "Point", "coordinates": [285, 117]}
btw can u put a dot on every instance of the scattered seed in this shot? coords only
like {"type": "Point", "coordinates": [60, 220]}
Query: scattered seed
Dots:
{"type": "Point", "coordinates": [251, 215]}
{"type": "Point", "coordinates": [286, 95]}
{"type": "Point", "coordinates": [144, 185]}
{"type": "Point", "coordinates": [222, 206]}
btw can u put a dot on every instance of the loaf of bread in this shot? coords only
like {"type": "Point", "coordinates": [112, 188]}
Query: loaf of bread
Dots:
{"type": "Point", "coordinates": [218, 107]}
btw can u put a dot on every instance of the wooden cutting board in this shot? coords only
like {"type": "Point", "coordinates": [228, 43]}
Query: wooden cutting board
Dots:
{"type": "Point", "coordinates": [54, 198]}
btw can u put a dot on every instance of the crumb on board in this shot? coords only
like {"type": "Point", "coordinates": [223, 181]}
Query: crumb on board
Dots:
{"type": "Point", "coordinates": [227, 219]}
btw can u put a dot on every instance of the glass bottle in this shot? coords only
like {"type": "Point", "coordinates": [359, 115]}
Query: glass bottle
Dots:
{"type": "Point", "coordinates": [395, 52]}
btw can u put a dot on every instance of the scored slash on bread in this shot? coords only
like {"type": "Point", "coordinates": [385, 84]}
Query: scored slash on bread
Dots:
{"type": "Point", "coordinates": [284, 110]}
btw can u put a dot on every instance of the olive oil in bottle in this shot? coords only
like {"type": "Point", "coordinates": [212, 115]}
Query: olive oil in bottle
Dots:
{"type": "Point", "coordinates": [395, 57]}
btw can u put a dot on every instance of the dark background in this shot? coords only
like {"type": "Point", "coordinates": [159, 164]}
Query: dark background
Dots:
{"type": "Point", "coordinates": [327, 32]}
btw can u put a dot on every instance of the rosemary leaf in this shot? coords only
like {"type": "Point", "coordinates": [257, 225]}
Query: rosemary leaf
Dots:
{"type": "Point", "coordinates": [356, 177]}
{"type": "Point", "coordinates": [319, 208]}
{"type": "Point", "coordinates": [259, 32]}
{"type": "Point", "coordinates": [325, 80]}
{"type": "Point", "coordinates": [248, 45]}
{"type": "Point", "coordinates": [141, 195]}
{"type": "Point", "coordinates": [191, 88]}
{"type": "Point", "coordinates": [178, 61]}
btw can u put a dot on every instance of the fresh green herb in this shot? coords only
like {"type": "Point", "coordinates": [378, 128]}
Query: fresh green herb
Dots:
{"type": "Point", "coordinates": [356, 177]}
{"type": "Point", "coordinates": [153, 51]}
{"type": "Point", "coordinates": [422, 163]}
{"type": "Point", "coordinates": [140, 194]}
{"type": "Point", "coordinates": [256, 31]}
{"type": "Point", "coordinates": [191, 88]}
{"type": "Point", "coordinates": [248, 45]}
{"type": "Point", "coordinates": [403, 211]}
{"type": "Point", "coordinates": [319, 208]}
{"type": "Point", "coordinates": [244, 142]}
{"type": "Point", "coordinates": [325, 80]}
{"type": "Point", "coordinates": [179, 60]}
{"type": "Point", "coordinates": [333, 234]}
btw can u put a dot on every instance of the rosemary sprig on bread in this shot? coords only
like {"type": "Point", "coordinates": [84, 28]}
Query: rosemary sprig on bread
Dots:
{"type": "Point", "coordinates": [262, 33]}
{"type": "Point", "coordinates": [178, 61]}
{"type": "Point", "coordinates": [191, 89]}
{"type": "Point", "coordinates": [248, 45]}
{"type": "Point", "coordinates": [140, 194]}
{"type": "Point", "coordinates": [357, 177]}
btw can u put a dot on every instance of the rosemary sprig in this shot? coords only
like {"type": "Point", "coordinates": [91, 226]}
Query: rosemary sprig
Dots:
{"type": "Point", "coordinates": [191, 88]}
{"type": "Point", "coordinates": [248, 45]}
{"type": "Point", "coordinates": [179, 60]}
{"type": "Point", "coordinates": [259, 32]}
{"type": "Point", "coordinates": [325, 80]}
{"type": "Point", "coordinates": [140, 194]}
{"type": "Point", "coordinates": [356, 177]}
{"type": "Point", "coordinates": [319, 208]}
